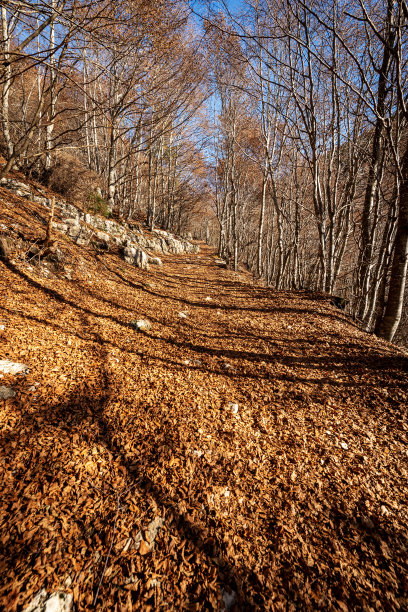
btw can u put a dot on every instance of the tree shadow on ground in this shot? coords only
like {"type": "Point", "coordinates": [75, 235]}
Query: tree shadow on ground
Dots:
{"type": "Point", "coordinates": [344, 358]}
{"type": "Point", "coordinates": [84, 416]}
{"type": "Point", "coordinates": [256, 293]}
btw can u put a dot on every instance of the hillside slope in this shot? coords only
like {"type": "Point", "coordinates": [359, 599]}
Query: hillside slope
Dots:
{"type": "Point", "coordinates": [248, 451]}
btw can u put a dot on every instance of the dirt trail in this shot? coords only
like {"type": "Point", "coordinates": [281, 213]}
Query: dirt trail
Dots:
{"type": "Point", "coordinates": [265, 429]}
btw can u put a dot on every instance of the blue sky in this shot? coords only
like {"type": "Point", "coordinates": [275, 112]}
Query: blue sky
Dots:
{"type": "Point", "coordinates": [232, 4]}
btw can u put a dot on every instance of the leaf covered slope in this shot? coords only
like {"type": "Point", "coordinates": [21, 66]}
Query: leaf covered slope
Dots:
{"type": "Point", "coordinates": [252, 453]}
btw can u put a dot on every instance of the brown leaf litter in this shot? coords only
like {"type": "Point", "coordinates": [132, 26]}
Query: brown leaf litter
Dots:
{"type": "Point", "coordinates": [251, 455]}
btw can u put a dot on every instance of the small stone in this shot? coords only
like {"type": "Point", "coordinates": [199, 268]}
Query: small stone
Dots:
{"type": "Point", "coordinates": [344, 445]}
{"type": "Point", "coordinates": [9, 367]}
{"type": "Point", "coordinates": [155, 261]}
{"type": "Point", "coordinates": [59, 602]}
{"type": "Point", "coordinates": [182, 315]}
{"type": "Point", "coordinates": [233, 407]}
{"type": "Point", "coordinates": [228, 599]}
{"type": "Point", "coordinates": [56, 602]}
{"type": "Point", "coordinates": [208, 299]}
{"type": "Point", "coordinates": [74, 221]}
{"type": "Point", "coordinates": [2, 327]}
{"type": "Point", "coordinates": [141, 324]}
{"type": "Point", "coordinates": [384, 511]}
{"type": "Point", "coordinates": [6, 392]}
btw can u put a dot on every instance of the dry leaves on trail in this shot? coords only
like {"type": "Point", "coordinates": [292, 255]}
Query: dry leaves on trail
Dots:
{"type": "Point", "coordinates": [264, 432]}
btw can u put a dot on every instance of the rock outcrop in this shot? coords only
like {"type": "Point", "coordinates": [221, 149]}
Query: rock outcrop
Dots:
{"type": "Point", "coordinates": [85, 228]}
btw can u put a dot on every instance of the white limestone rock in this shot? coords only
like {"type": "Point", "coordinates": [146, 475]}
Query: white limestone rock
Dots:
{"type": "Point", "coordinates": [155, 261]}
{"type": "Point", "coordinates": [141, 260]}
{"type": "Point", "coordinates": [10, 367]}
{"type": "Point", "coordinates": [56, 602]}
{"type": "Point", "coordinates": [141, 324]}
{"type": "Point", "coordinates": [102, 236]}
{"type": "Point", "coordinates": [73, 222]}
{"type": "Point", "coordinates": [233, 406]}
{"type": "Point", "coordinates": [60, 227]}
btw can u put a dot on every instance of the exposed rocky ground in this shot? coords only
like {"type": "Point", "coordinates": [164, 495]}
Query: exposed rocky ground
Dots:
{"type": "Point", "coordinates": [84, 228]}
{"type": "Point", "coordinates": [240, 449]}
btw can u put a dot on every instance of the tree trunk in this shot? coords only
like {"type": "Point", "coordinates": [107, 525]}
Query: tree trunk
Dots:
{"type": "Point", "coordinates": [261, 224]}
{"type": "Point", "coordinates": [6, 84]}
{"type": "Point", "coordinates": [51, 113]}
{"type": "Point", "coordinates": [393, 311]}
{"type": "Point", "coordinates": [112, 167]}
{"type": "Point", "coordinates": [375, 171]}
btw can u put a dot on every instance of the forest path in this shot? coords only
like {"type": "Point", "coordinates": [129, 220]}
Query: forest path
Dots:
{"type": "Point", "coordinates": [265, 429]}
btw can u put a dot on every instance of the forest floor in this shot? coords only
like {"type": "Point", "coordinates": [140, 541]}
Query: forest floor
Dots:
{"type": "Point", "coordinates": [250, 455]}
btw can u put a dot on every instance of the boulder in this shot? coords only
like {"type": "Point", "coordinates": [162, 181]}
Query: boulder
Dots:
{"type": "Point", "coordinates": [129, 254]}
{"type": "Point", "coordinates": [141, 260]}
{"type": "Point", "coordinates": [155, 261]}
{"type": "Point", "coordinates": [137, 257]}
